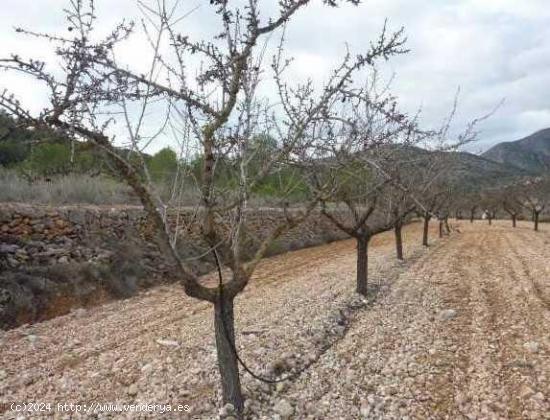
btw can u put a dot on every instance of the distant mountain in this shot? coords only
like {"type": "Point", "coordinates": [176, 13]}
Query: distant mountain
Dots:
{"type": "Point", "coordinates": [531, 153]}
{"type": "Point", "coordinates": [464, 170]}
{"type": "Point", "coordinates": [477, 172]}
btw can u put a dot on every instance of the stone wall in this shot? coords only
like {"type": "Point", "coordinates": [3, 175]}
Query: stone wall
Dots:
{"type": "Point", "coordinates": [55, 259]}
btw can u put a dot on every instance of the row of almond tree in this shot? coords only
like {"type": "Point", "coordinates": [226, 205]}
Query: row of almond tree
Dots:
{"type": "Point", "coordinates": [364, 164]}
{"type": "Point", "coordinates": [524, 198]}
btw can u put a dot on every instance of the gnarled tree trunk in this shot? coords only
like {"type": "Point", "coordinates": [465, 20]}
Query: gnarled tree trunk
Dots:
{"type": "Point", "coordinates": [224, 325]}
{"type": "Point", "coordinates": [514, 220]}
{"type": "Point", "coordinates": [398, 240]}
{"type": "Point", "coordinates": [362, 264]}
{"type": "Point", "coordinates": [425, 231]}
{"type": "Point", "coordinates": [472, 214]}
{"type": "Point", "coordinates": [536, 219]}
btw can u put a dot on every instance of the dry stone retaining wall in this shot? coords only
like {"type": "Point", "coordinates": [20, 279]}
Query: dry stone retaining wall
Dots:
{"type": "Point", "coordinates": [53, 259]}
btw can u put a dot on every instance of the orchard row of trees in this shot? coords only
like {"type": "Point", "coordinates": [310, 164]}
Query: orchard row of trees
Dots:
{"type": "Point", "coordinates": [526, 198]}
{"type": "Point", "coordinates": [345, 146]}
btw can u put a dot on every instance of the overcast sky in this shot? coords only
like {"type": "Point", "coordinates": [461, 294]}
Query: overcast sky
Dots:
{"type": "Point", "coordinates": [492, 49]}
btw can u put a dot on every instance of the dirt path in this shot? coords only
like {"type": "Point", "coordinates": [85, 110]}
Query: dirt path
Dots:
{"type": "Point", "coordinates": [461, 330]}
{"type": "Point", "coordinates": [464, 333]}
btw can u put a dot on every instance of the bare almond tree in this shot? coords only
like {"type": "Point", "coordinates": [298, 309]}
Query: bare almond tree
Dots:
{"type": "Point", "coordinates": [409, 187]}
{"type": "Point", "coordinates": [534, 195]}
{"type": "Point", "coordinates": [364, 143]}
{"type": "Point", "coordinates": [470, 202]}
{"type": "Point", "coordinates": [355, 209]}
{"type": "Point", "coordinates": [490, 204]}
{"type": "Point", "coordinates": [432, 190]}
{"type": "Point", "coordinates": [205, 94]}
{"type": "Point", "coordinates": [511, 203]}
{"type": "Point", "coordinates": [465, 203]}
{"type": "Point", "coordinates": [400, 206]}
{"type": "Point", "coordinates": [444, 213]}
{"type": "Point", "coordinates": [438, 185]}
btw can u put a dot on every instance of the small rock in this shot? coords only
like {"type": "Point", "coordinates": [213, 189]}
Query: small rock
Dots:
{"type": "Point", "coordinates": [531, 346]}
{"type": "Point", "coordinates": [365, 410]}
{"type": "Point", "coordinates": [146, 369]}
{"type": "Point", "coordinates": [168, 343]}
{"type": "Point", "coordinates": [3, 375]}
{"type": "Point", "coordinates": [227, 410]}
{"type": "Point", "coordinates": [21, 254]}
{"type": "Point", "coordinates": [284, 408]}
{"type": "Point", "coordinates": [79, 311]}
{"type": "Point", "coordinates": [461, 398]}
{"type": "Point", "coordinates": [13, 262]}
{"type": "Point", "coordinates": [132, 390]}
{"type": "Point", "coordinates": [27, 379]}
{"type": "Point", "coordinates": [280, 387]}
{"type": "Point", "coordinates": [526, 391]}
{"type": "Point", "coordinates": [340, 330]}
{"type": "Point", "coordinates": [447, 314]}
{"type": "Point", "coordinates": [539, 396]}
{"type": "Point", "coordinates": [8, 248]}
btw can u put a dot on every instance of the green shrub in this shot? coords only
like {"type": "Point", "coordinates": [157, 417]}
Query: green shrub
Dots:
{"type": "Point", "coordinates": [163, 165]}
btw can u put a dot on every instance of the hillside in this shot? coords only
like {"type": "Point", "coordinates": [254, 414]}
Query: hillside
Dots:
{"type": "Point", "coordinates": [472, 171]}
{"type": "Point", "coordinates": [51, 156]}
{"type": "Point", "coordinates": [468, 171]}
{"type": "Point", "coordinates": [531, 153]}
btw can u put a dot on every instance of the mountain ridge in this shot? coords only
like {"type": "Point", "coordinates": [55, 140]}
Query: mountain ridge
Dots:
{"type": "Point", "coordinates": [530, 153]}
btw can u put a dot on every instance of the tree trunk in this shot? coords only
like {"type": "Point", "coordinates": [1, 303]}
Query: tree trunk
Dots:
{"type": "Point", "coordinates": [362, 264]}
{"type": "Point", "coordinates": [447, 227]}
{"type": "Point", "coordinates": [489, 219]}
{"type": "Point", "coordinates": [513, 220]}
{"type": "Point", "coordinates": [398, 241]}
{"type": "Point", "coordinates": [472, 215]}
{"type": "Point", "coordinates": [536, 216]}
{"type": "Point", "coordinates": [425, 233]}
{"type": "Point", "coordinates": [224, 325]}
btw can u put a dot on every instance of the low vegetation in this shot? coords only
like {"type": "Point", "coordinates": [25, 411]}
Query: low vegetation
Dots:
{"type": "Point", "coordinates": [66, 189]}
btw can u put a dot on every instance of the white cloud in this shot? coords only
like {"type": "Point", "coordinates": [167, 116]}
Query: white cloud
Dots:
{"type": "Point", "coordinates": [492, 49]}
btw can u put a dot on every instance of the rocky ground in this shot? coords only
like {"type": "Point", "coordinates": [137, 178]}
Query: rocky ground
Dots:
{"type": "Point", "coordinates": [460, 330]}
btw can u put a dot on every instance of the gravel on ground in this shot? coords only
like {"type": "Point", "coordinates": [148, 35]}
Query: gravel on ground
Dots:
{"type": "Point", "coordinates": [458, 330]}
